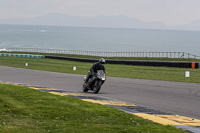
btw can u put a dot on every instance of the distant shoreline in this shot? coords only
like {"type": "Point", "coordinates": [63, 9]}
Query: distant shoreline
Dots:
{"type": "Point", "coordinates": [99, 27]}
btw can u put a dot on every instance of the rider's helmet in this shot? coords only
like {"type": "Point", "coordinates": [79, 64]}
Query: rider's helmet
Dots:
{"type": "Point", "coordinates": [102, 61]}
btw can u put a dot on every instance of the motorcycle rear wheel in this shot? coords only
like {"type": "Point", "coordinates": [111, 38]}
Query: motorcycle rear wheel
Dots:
{"type": "Point", "coordinates": [85, 87]}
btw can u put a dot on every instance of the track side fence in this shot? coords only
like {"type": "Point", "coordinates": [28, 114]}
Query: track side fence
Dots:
{"type": "Point", "coordinates": [108, 54]}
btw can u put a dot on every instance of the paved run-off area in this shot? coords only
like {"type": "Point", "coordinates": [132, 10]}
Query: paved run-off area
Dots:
{"type": "Point", "coordinates": [159, 101]}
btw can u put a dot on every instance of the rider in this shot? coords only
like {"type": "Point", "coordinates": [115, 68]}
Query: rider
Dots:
{"type": "Point", "coordinates": [93, 70]}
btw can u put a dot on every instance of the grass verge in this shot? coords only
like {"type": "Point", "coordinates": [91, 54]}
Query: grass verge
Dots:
{"type": "Point", "coordinates": [25, 110]}
{"type": "Point", "coordinates": [123, 71]}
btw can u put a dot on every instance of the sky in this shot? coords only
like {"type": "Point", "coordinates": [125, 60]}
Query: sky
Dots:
{"type": "Point", "coordinates": [170, 12]}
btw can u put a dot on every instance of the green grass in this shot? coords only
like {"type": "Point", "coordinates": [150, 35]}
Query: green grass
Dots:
{"type": "Point", "coordinates": [24, 110]}
{"type": "Point", "coordinates": [123, 71]}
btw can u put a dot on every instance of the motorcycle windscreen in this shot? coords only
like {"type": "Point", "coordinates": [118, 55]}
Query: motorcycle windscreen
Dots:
{"type": "Point", "coordinates": [101, 74]}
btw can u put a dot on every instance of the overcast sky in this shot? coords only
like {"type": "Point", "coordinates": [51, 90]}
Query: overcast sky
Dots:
{"type": "Point", "coordinates": [170, 12]}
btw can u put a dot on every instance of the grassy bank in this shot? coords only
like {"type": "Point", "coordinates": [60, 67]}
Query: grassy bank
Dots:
{"type": "Point", "coordinates": [124, 71]}
{"type": "Point", "coordinates": [23, 110]}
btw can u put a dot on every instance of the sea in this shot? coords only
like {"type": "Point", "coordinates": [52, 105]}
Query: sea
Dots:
{"type": "Point", "coordinates": [99, 39]}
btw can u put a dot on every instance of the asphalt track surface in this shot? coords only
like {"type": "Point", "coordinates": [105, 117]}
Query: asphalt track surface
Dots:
{"type": "Point", "coordinates": [171, 97]}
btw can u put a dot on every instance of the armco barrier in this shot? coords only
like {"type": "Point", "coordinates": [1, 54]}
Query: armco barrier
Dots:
{"type": "Point", "coordinates": [22, 55]}
{"type": "Point", "coordinates": [135, 62]}
{"type": "Point", "coordinates": [107, 54]}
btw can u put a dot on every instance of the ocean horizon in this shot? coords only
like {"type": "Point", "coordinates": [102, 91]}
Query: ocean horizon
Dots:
{"type": "Point", "coordinates": [99, 39]}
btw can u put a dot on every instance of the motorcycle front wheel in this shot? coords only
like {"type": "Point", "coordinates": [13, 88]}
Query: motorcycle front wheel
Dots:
{"type": "Point", "coordinates": [97, 87]}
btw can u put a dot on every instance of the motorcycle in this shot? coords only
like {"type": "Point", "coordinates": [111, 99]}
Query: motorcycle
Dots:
{"type": "Point", "coordinates": [97, 81]}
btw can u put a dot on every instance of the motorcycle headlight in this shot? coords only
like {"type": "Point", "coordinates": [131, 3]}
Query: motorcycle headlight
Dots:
{"type": "Point", "coordinates": [103, 78]}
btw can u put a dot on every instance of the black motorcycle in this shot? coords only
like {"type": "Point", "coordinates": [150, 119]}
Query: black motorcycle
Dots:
{"type": "Point", "coordinates": [98, 80]}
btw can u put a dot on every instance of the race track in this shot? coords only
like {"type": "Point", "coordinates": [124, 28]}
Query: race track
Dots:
{"type": "Point", "coordinates": [172, 97]}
